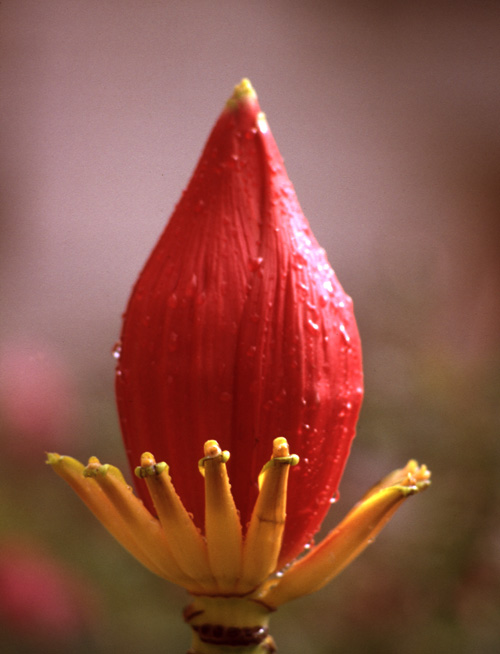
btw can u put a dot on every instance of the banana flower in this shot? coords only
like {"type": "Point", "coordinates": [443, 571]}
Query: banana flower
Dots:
{"type": "Point", "coordinates": [238, 332]}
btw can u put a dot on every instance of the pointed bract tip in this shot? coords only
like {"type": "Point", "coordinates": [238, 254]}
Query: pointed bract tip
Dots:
{"type": "Point", "coordinates": [243, 91]}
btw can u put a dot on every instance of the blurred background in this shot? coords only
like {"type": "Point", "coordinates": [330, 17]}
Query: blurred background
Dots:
{"type": "Point", "coordinates": [387, 115]}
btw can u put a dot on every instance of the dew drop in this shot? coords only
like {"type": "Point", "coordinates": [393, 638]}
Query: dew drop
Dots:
{"type": "Point", "coordinates": [255, 263]}
{"type": "Point", "coordinates": [262, 123]}
{"type": "Point", "coordinates": [300, 258]}
{"type": "Point", "coordinates": [313, 309]}
{"type": "Point", "coordinates": [117, 350]}
{"type": "Point", "coordinates": [312, 327]}
{"type": "Point", "coordinates": [232, 163]}
{"type": "Point", "coordinates": [328, 286]}
{"type": "Point", "coordinates": [172, 301]}
{"type": "Point", "coordinates": [344, 333]}
{"type": "Point", "coordinates": [335, 498]}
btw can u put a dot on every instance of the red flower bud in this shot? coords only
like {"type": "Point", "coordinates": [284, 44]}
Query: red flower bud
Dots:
{"type": "Point", "coordinates": [238, 330]}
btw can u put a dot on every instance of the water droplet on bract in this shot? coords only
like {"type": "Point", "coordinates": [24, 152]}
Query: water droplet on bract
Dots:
{"type": "Point", "coordinates": [344, 333]}
{"type": "Point", "coordinates": [335, 498]}
{"type": "Point", "coordinates": [117, 350]}
{"type": "Point", "coordinates": [249, 134]}
{"type": "Point", "coordinates": [255, 263]}
{"type": "Point", "coordinates": [262, 123]}
{"type": "Point", "coordinates": [312, 327]}
{"type": "Point", "coordinates": [303, 290]}
{"type": "Point", "coordinates": [252, 350]}
{"type": "Point", "coordinates": [226, 397]}
{"type": "Point", "coordinates": [172, 301]}
{"type": "Point", "coordinates": [313, 309]}
{"type": "Point", "coordinates": [328, 286]}
{"type": "Point", "coordinates": [232, 162]}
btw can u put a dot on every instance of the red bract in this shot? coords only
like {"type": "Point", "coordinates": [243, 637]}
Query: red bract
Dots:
{"type": "Point", "coordinates": [238, 330]}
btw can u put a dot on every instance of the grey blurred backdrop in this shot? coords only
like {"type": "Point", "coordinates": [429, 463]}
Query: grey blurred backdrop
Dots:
{"type": "Point", "coordinates": [387, 116]}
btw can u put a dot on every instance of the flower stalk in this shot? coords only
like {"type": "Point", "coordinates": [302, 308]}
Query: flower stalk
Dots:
{"type": "Point", "coordinates": [238, 329]}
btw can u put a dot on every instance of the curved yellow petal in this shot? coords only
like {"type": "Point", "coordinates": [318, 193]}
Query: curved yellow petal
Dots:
{"type": "Point", "coordinates": [265, 533]}
{"type": "Point", "coordinates": [349, 539]}
{"type": "Point", "coordinates": [222, 522]}
{"type": "Point", "coordinates": [106, 494]}
{"type": "Point", "coordinates": [186, 542]}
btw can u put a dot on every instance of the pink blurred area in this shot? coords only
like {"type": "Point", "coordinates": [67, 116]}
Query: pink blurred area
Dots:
{"type": "Point", "coordinates": [39, 402]}
{"type": "Point", "coordinates": [41, 600]}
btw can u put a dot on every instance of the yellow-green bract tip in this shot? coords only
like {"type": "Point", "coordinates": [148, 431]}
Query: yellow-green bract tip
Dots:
{"type": "Point", "coordinates": [242, 91]}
